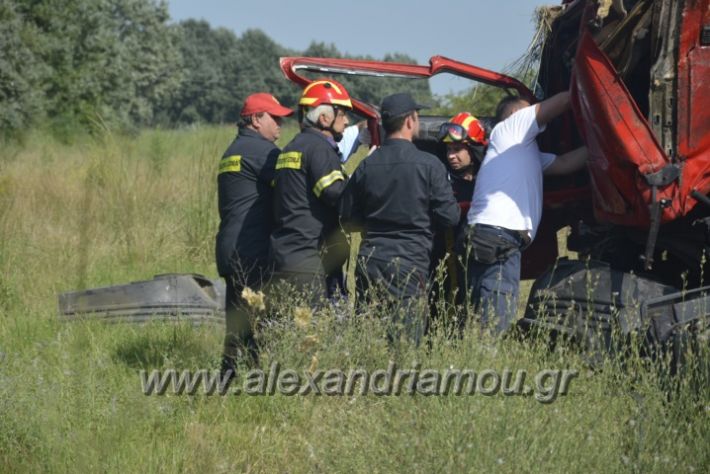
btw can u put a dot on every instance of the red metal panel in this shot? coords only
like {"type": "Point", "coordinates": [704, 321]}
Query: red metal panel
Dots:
{"type": "Point", "coordinates": [437, 65]}
{"type": "Point", "coordinates": [693, 80]}
{"type": "Point", "coordinates": [441, 64]}
{"type": "Point", "coordinates": [694, 102]}
{"type": "Point", "coordinates": [621, 144]}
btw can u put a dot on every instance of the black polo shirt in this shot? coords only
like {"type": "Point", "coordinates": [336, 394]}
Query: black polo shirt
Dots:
{"type": "Point", "coordinates": [308, 182]}
{"type": "Point", "coordinates": [396, 195]}
{"type": "Point", "coordinates": [245, 202]}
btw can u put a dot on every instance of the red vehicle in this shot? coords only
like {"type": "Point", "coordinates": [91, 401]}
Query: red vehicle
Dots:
{"type": "Point", "coordinates": [640, 214]}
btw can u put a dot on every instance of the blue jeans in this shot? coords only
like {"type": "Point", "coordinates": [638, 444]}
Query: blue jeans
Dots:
{"type": "Point", "coordinates": [493, 274]}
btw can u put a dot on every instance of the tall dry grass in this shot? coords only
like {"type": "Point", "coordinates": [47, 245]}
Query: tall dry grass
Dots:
{"type": "Point", "coordinates": [112, 209]}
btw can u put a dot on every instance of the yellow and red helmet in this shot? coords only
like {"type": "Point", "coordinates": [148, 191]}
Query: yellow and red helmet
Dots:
{"type": "Point", "coordinates": [463, 127]}
{"type": "Point", "coordinates": [325, 91]}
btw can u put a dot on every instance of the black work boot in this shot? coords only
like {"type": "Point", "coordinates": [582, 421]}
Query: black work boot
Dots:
{"type": "Point", "coordinates": [228, 369]}
{"type": "Point", "coordinates": [247, 358]}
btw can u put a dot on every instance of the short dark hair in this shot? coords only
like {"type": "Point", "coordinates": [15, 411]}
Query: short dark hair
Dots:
{"type": "Point", "coordinates": [505, 105]}
{"type": "Point", "coordinates": [245, 120]}
{"type": "Point", "coordinates": [395, 124]}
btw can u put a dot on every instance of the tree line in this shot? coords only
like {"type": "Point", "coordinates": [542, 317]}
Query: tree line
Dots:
{"type": "Point", "coordinates": [124, 64]}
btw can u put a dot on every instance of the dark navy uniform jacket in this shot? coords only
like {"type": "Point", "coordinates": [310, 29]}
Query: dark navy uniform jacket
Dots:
{"type": "Point", "coordinates": [463, 192]}
{"type": "Point", "coordinates": [396, 195]}
{"type": "Point", "coordinates": [245, 202]}
{"type": "Point", "coordinates": [308, 182]}
{"type": "Point", "coordinates": [445, 238]}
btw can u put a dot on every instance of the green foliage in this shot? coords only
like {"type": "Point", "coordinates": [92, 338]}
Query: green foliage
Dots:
{"type": "Point", "coordinates": [204, 94]}
{"type": "Point", "coordinates": [481, 99]}
{"type": "Point", "coordinates": [257, 66]}
{"type": "Point", "coordinates": [85, 63]}
{"type": "Point", "coordinates": [85, 66]}
{"type": "Point", "coordinates": [220, 70]}
{"type": "Point", "coordinates": [21, 93]}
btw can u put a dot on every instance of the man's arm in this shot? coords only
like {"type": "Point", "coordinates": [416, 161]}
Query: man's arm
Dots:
{"type": "Point", "coordinates": [444, 208]}
{"type": "Point", "coordinates": [326, 172]}
{"type": "Point", "coordinates": [569, 162]}
{"type": "Point", "coordinates": [551, 107]}
{"type": "Point", "coordinates": [331, 192]}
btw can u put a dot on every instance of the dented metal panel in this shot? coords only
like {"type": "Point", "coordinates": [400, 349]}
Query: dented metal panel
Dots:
{"type": "Point", "coordinates": [694, 81]}
{"type": "Point", "coordinates": [627, 144]}
{"type": "Point", "coordinates": [622, 146]}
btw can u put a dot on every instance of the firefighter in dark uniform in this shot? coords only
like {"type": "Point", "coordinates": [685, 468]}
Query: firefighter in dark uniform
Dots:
{"type": "Point", "coordinates": [465, 139]}
{"type": "Point", "coordinates": [308, 248]}
{"type": "Point", "coordinates": [395, 197]}
{"type": "Point", "coordinates": [245, 201]}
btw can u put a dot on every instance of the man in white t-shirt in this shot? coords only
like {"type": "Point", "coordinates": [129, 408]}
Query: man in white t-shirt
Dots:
{"type": "Point", "coordinates": [507, 203]}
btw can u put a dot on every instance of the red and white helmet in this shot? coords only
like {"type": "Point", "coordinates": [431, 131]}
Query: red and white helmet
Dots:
{"type": "Point", "coordinates": [463, 127]}
{"type": "Point", "coordinates": [325, 91]}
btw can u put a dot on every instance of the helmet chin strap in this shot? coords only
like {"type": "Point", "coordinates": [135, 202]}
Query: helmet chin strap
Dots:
{"type": "Point", "coordinates": [337, 136]}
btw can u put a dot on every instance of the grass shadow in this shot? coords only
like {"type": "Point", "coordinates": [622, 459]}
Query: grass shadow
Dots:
{"type": "Point", "coordinates": [160, 347]}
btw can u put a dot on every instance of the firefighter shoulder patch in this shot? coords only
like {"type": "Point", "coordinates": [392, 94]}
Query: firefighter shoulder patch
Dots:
{"type": "Point", "coordinates": [289, 160]}
{"type": "Point", "coordinates": [230, 164]}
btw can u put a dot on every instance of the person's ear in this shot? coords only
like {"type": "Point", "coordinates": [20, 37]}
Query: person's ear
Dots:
{"type": "Point", "coordinates": [410, 122]}
{"type": "Point", "coordinates": [323, 120]}
{"type": "Point", "coordinates": [256, 121]}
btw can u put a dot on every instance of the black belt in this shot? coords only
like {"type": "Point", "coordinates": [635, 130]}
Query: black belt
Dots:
{"type": "Point", "coordinates": [523, 235]}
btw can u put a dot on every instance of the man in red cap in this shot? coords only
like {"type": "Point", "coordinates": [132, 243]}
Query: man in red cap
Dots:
{"type": "Point", "coordinates": [245, 202]}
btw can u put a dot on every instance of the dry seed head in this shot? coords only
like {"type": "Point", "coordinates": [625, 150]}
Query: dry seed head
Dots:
{"type": "Point", "coordinates": [314, 364]}
{"type": "Point", "coordinates": [255, 299]}
{"type": "Point", "coordinates": [308, 342]}
{"type": "Point", "coordinates": [302, 317]}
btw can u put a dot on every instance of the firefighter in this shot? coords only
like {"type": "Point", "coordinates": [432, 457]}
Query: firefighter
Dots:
{"type": "Point", "coordinates": [307, 244]}
{"type": "Point", "coordinates": [244, 196]}
{"type": "Point", "coordinates": [395, 196]}
{"type": "Point", "coordinates": [465, 139]}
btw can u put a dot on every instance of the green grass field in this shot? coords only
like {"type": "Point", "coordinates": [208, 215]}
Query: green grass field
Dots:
{"type": "Point", "coordinates": [115, 209]}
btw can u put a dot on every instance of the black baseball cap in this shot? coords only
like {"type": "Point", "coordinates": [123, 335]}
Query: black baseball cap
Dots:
{"type": "Point", "coordinates": [399, 104]}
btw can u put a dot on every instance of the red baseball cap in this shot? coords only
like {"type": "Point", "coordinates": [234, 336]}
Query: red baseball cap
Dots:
{"type": "Point", "coordinates": [263, 102]}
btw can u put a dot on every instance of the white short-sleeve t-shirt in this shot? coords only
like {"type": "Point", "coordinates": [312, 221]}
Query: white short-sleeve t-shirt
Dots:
{"type": "Point", "coordinates": [508, 191]}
